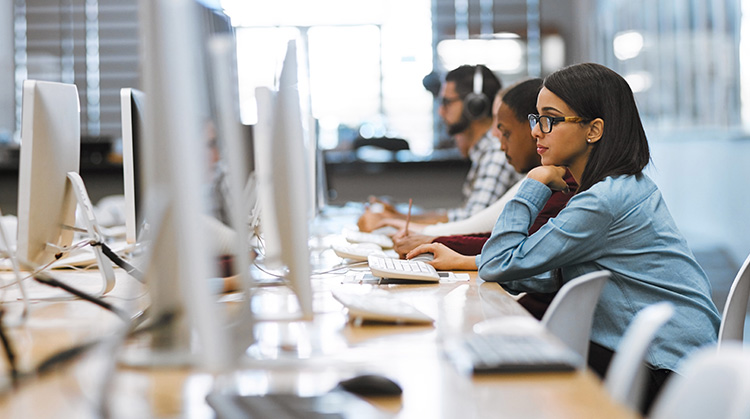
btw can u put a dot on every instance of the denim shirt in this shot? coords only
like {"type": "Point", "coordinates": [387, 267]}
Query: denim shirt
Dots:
{"type": "Point", "coordinates": [620, 224]}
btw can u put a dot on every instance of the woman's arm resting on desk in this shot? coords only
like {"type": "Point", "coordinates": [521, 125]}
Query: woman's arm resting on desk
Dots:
{"type": "Point", "coordinates": [445, 258]}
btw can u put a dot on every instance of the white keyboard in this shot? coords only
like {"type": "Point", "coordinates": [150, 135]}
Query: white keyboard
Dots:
{"type": "Point", "coordinates": [355, 236]}
{"type": "Point", "coordinates": [385, 267]}
{"type": "Point", "coordinates": [356, 251]}
{"type": "Point", "coordinates": [382, 307]}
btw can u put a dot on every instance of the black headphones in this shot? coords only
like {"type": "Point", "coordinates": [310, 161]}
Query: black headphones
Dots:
{"type": "Point", "coordinates": [476, 103]}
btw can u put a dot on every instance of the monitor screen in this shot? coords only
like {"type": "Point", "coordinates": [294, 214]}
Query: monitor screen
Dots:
{"type": "Point", "coordinates": [282, 170]}
{"type": "Point", "coordinates": [132, 106]}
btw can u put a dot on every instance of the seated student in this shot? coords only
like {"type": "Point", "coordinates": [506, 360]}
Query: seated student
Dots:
{"type": "Point", "coordinates": [490, 175]}
{"type": "Point", "coordinates": [511, 126]}
{"type": "Point", "coordinates": [521, 101]}
{"type": "Point", "coordinates": [617, 221]}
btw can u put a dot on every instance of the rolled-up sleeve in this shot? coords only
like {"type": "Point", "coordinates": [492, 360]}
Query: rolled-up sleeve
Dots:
{"type": "Point", "coordinates": [576, 235]}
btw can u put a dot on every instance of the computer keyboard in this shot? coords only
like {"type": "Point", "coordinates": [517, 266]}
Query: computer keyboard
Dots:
{"type": "Point", "coordinates": [356, 251]}
{"type": "Point", "coordinates": [385, 267]}
{"type": "Point", "coordinates": [510, 353]}
{"type": "Point", "coordinates": [381, 307]}
{"type": "Point", "coordinates": [334, 404]}
{"type": "Point", "coordinates": [355, 236]}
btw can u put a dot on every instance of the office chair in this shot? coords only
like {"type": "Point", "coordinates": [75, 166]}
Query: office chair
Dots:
{"type": "Point", "coordinates": [571, 312]}
{"type": "Point", "coordinates": [625, 377]}
{"type": "Point", "coordinates": [735, 309]}
{"type": "Point", "coordinates": [712, 384]}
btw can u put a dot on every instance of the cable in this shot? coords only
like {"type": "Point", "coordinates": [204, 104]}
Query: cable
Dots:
{"type": "Point", "coordinates": [117, 260]}
{"type": "Point", "coordinates": [8, 348]}
{"type": "Point", "coordinates": [45, 279]}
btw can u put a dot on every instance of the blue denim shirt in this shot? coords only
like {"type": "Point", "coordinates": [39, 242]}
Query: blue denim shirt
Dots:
{"type": "Point", "coordinates": [620, 224]}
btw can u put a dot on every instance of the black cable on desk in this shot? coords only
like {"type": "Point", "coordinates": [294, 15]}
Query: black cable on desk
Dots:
{"type": "Point", "coordinates": [8, 348]}
{"type": "Point", "coordinates": [48, 280]}
{"type": "Point", "coordinates": [117, 260]}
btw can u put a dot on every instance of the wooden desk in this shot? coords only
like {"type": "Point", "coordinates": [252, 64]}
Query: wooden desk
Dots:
{"type": "Point", "coordinates": [303, 357]}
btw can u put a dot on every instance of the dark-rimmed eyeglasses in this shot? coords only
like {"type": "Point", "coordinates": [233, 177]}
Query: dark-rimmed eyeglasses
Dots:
{"type": "Point", "coordinates": [547, 122]}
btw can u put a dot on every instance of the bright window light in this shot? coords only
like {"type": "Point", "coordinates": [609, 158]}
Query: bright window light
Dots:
{"type": "Point", "coordinates": [366, 62]}
{"type": "Point", "coordinates": [628, 44]}
{"type": "Point", "coordinates": [304, 12]}
{"type": "Point", "coordinates": [505, 55]}
{"type": "Point", "coordinates": [345, 70]}
{"type": "Point", "coordinates": [640, 81]}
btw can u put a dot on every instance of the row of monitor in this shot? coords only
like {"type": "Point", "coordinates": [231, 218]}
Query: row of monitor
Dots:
{"type": "Point", "coordinates": [187, 83]}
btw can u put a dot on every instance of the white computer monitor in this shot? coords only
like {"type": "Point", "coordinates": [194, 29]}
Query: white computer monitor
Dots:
{"type": "Point", "coordinates": [132, 111]}
{"type": "Point", "coordinates": [50, 149]}
{"type": "Point", "coordinates": [49, 185]}
{"type": "Point", "coordinates": [281, 167]}
{"type": "Point", "coordinates": [174, 169]}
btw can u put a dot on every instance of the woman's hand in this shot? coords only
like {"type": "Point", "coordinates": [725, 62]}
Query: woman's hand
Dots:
{"type": "Point", "coordinates": [446, 259]}
{"type": "Point", "coordinates": [404, 242]}
{"type": "Point", "coordinates": [552, 176]}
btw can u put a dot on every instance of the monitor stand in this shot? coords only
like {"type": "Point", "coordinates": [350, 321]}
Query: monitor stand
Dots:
{"type": "Point", "coordinates": [92, 226]}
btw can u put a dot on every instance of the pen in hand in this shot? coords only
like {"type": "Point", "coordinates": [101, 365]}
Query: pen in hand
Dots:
{"type": "Point", "coordinates": [408, 217]}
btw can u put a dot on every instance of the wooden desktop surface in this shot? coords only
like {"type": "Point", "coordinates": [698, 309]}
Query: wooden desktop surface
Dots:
{"type": "Point", "coordinates": [306, 358]}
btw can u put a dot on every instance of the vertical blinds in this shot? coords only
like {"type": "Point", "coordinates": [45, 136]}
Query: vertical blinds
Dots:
{"type": "Point", "coordinates": [92, 43]}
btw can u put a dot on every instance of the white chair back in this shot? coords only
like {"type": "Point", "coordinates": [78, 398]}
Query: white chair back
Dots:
{"type": "Point", "coordinates": [735, 309]}
{"type": "Point", "coordinates": [625, 377]}
{"type": "Point", "coordinates": [571, 312]}
{"type": "Point", "coordinates": [712, 384]}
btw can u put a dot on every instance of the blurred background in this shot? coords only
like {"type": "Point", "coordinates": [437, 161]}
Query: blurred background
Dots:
{"type": "Point", "coordinates": [372, 64]}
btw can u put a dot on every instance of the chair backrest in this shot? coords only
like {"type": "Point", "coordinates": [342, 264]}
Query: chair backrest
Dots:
{"type": "Point", "coordinates": [571, 312]}
{"type": "Point", "coordinates": [735, 309]}
{"type": "Point", "coordinates": [625, 377]}
{"type": "Point", "coordinates": [712, 384]}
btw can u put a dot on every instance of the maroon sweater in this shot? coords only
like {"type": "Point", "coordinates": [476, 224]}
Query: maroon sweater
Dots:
{"type": "Point", "coordinates": [472, 244]}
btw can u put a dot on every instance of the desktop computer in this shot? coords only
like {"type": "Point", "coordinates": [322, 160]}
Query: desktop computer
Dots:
{"type": "Point", "coordinates": [173, 166]}
{"type": "Point", "coordinates": [49, 186]}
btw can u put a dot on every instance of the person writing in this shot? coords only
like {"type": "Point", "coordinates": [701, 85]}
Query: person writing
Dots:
{"type": "Point", "coordinates": [465, 108]}
{"type": "Point", "coordinates": [588, 123]}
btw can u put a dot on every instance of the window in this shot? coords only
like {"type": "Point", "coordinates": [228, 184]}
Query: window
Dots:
{"type": "Point", "coordinates": [366, 63]}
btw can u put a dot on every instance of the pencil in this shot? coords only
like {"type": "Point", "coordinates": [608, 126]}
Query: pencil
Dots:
{"type": "Point", "coordinates": [408, 217]}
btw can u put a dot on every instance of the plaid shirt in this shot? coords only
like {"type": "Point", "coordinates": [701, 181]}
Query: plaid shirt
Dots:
{"type": "Point", "coordinates": [489, 177]}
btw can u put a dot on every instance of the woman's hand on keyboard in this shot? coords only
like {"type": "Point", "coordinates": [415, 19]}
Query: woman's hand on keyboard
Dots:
{"type": "Point", "coordinates": [446, 259]}
{"type": "Point", "coordinates": [404, 243]}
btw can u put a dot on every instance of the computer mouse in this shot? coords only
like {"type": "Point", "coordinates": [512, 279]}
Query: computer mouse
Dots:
{"type": "Point", "coordinates": [371, 385]}
{"type": "Point", "coordinates": [424, 257]}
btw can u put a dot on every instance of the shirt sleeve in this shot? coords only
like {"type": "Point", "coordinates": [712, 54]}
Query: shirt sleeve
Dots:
{"type": "Point", "coordinates": [494, 176]}
{"type": "Point", "coordinates": [468, 245]}
{"type": "Point", "coordinates": [481, 222]}
{"type": "Point", "coordinates": [576, 235]}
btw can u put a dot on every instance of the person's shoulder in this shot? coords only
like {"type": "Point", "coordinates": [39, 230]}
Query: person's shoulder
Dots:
{"type": "Point", "coordinates": [488, 143]}
{"type": "Point", "coordinates": [623, 190]}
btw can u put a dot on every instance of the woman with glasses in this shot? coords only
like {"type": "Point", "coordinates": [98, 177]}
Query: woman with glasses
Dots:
{"type": "Point", "coordinates": [588, 123]}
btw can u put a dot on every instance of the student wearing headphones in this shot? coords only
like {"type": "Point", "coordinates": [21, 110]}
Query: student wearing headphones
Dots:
{"type": "Point", "coordinates": [466, 109]}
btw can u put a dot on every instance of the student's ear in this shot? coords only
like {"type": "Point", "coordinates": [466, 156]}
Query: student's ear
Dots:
{"type": "Point", "coordinates": [596, 130]}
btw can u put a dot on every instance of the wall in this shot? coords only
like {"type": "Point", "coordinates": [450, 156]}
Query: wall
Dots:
{"type": "Point", "coordinates": [7, 73]}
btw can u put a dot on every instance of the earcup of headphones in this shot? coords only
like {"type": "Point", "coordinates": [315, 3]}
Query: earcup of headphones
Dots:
{"type": "Point", "coordinates": [476, 105]}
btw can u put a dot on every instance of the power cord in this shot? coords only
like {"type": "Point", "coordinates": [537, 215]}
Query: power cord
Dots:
{"type": "Point", "coordinates": [117, 260]}
{"type": "Point", "coordinates": [46, 279]}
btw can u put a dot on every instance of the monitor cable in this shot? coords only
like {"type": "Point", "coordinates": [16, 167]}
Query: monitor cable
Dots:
{"type": "Point", "coordinates": [122, 263]}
